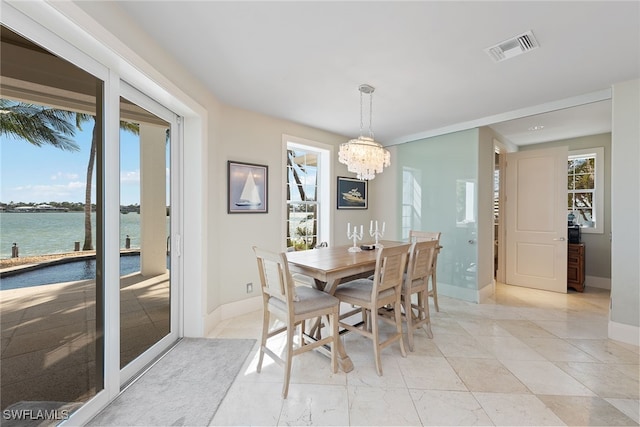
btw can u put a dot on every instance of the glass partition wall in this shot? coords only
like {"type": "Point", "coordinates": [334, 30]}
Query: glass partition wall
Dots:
{"type": "Point", "coordinates": [439, 193]}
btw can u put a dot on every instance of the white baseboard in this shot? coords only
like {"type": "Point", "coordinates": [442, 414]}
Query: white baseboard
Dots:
{"type": "Point", "coordinates": [626, 333]}
{"type": "Point", "coordinates": [597, 282]}
{"type": "Point", "coordinates": [230, 310]}
{"type": "Point", "coordinates": [486, 293]}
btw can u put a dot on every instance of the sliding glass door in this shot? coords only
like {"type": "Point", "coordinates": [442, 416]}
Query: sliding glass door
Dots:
{"type": "Point", "coordinates": [88, 291]}
{"type": "Point", "coordinates": [52, 232]}
{"type": "Point", "coordinates": [148, 297]}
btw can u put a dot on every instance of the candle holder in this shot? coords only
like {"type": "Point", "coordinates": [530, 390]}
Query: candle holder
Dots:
{"type": "Point", "coordinates": [355, 236]}
{"type": "Point", "coordinates": [377, 233]}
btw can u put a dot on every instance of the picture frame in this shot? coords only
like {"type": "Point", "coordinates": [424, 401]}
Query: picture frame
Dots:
{"type": "Point", "coordinates": [352, 193]}
{"type": "Point", "coordinates": [247, 187]}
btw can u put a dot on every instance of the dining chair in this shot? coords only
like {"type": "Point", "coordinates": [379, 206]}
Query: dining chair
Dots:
{"type": "Point", "coordinates": [418, 236]}
{"type": "Point", "coordinates": [292, 305]}
{"type": "Point", "coordinates": [371, 295]}
{"type": "Point", "coordinates": [416, 282]}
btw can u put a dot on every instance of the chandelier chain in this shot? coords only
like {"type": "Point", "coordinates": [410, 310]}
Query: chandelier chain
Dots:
{"type": "Point", "coordinates": [371, 115]}
{"type": "Point", "coordinates": [361, 120]}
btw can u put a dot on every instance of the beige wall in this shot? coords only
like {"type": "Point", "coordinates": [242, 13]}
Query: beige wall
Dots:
{"type": "Point", "coordinates": [625, 208]}
{"type": "Point", "coordinates": [597, 245]}
{"type": "Point", "coordinates": [253, 138]}
{"type": "Point", "coordinates": [386, 197]}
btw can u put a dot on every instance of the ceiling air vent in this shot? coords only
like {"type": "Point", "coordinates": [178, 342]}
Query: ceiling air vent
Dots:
{"type": "Point", "coordinates": [512, 47]}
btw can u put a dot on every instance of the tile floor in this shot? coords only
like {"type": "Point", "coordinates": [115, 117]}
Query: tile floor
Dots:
{"type": "Point", "coordinates": [526, 358]}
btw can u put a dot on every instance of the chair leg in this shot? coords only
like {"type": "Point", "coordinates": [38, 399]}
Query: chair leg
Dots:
{"type": "Point", "coordinates": [263, 339]}
{"type": "Point", "coordinates": [434, 290]}
{"type": "Point", "coordinates": [408, 315]}
{"type": "Point", "coordinates": [287, 366]}
{"type": "Point", "coordinates": [376, 340]}
{"type": "Point", "coordinates": [423, 303]}
{"type": "Point", "coordinates": [333, 323]}
{"type": "Point", "coordinates": [366, 319]}
{"type": "Point", "coordinates": [398, 317]}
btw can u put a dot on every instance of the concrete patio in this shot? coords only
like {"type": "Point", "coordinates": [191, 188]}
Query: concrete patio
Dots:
{"type": "Point", "coordinates": [48, 334]}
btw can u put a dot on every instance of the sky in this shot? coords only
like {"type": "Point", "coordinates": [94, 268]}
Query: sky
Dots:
{"type": "Point", "coordinates": [47, 174]}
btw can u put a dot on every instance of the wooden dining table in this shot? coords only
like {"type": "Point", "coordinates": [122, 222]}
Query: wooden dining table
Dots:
{"type": "Point", "coordinates": [331, 265]}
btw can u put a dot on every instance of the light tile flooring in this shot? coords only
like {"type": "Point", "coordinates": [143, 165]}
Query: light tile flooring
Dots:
{"type": "Point", "coordinates": [527, 358]}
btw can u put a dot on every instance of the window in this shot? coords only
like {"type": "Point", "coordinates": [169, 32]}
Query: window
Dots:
{"type": "Point", "coordinates": [585, 188]}
{"type": "Point", "coordinates": [307, 194]}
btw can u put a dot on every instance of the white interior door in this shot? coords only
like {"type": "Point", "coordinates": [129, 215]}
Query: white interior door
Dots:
{"type": "Point", "coordinates": [536, 219]}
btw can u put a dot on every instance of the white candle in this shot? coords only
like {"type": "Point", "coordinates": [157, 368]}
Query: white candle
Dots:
{"type": "Point", "coordinates": [376, 226]}
{"type": "Point", "coordinates": [348, 229]}
{"type": "Point", "coordinates": [382, 227]}
{"type": "Point", "coordinates": [361, 229]}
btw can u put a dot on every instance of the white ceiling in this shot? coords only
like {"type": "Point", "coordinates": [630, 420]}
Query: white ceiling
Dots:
{"type": "Point", "coordinates": [303, 61]}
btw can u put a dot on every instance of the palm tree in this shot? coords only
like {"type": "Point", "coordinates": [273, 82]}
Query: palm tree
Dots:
{"type": "Point", "coordinates": [81, 118]}
{"type": "Point", "coordinates": [42, 125]}
{"type": "Point", "coordinates": [294, 166]}
{"type": "Point", "coordinates": [37, 124]}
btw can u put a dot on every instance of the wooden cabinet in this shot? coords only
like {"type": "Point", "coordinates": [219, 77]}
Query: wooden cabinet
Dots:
{"type": "Point", "coordinates": [575, 266]}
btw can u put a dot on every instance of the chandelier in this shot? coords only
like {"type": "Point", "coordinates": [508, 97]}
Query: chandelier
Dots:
{"type": "Point", "coordinates": [364, 156]}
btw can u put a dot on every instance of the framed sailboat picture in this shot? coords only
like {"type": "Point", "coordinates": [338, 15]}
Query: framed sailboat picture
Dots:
{"type": "Point", "coordinates": [247, 187]}
{"type": "Point", "coordinates": [352, 193]}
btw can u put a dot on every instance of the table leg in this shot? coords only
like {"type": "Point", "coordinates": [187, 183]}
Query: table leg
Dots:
{"type": "Point", "coordinates": [344, 361]}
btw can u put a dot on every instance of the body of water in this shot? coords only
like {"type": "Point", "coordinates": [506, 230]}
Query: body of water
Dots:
{"type": "Point", "coordinates": [55, 232]}
{"type": "Point", "coordinates": [84, 269]}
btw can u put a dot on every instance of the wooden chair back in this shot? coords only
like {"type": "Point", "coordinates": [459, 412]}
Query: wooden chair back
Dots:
{"type": "Point", "coordinates": [390, 266]}
{"type": "Point", "coordinates": [420, 236]}
{"type": "Point", "coordinates": [421, 260]}
{"type": "Point", "coordinates": [275, 278]}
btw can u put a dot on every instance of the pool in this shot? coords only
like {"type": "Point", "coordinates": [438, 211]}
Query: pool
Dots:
{"type": "Point", "coordinates": [67, 272]}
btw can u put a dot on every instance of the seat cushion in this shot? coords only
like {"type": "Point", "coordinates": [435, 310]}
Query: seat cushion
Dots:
{"type": "Point", "coordinates": [359, 289]}
{"type": "Point", "coordinates": [309, 300]}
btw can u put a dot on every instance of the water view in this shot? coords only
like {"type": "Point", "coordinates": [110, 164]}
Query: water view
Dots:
{"type": "Point", "coordinates": [84, 269]}
{"type": "Point", "coordinates": [55, 232]}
